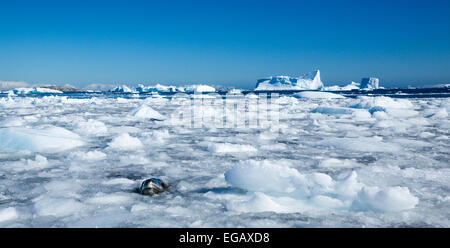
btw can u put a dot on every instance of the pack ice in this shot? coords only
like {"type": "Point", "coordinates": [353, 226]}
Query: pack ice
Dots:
{"type": "Point", "coordinates": [330, 161]}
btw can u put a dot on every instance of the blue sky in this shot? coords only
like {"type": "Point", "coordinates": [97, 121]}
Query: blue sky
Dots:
{"type": "Point", "coordinates": [224, 42]}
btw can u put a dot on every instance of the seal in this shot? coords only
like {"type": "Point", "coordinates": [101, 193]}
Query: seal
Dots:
{"type": "Point", "coordinates": [153, 186]}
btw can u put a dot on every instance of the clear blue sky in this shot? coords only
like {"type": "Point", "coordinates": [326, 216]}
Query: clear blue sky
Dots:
{"type": "Point", "coordinates": [224, 42]}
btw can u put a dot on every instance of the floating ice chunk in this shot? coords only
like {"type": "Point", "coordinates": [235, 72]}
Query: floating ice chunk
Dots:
{"type": "Point", "coordinates": [310, 81]}
{"type": "Point", "coordinates": [88, 156]}
{"type": "Point", "coordinates": [13, 122]}
{"type": "Point", "coordinates": [389, 200]}
{"type": "Point", "coordinates": [64, 188]}
{"type": "Point", "coordinates": [317, 95]}
{"type": "Point", "coordinates": [49, 139]}
{"type": "Point", "coordinates": [295, 192]}
{"type": "Point", "coordinates": [139, 207]}
{"type": "Point", "coordinates": [125, 142]}
{"type": "Point", "coordinates": [57, 207]}
{"type": "Point", "coordinates": [157, 137]}
{"type": "Point", "coordinates": [362, 144]}
{"type": "Point", "coordinates": [327, 202]}
{"type": "Point", "coordinates": [333, 110]}
{"type": "Point", "coordinates": [104, 199]}
{"type": "Point", "coordinates": [337, 163]}
{"type": "Point", "coordinates": [384, 102]}
{"type": "Point", "coordinates": [361, 115]}
{"type": "Point", "coordinates": [92, 127]}
{"type": "Point", "coordinates": [8, 214]}
{"type": "Point", "coordinates": [348, 187]}
{"type": "Point", "coordinates": [259, 202]}
{"type": "Point", "coordinates": [264, 177]}
{"type": "Point", "coordinates": [231, 148]}
{"type": "Point", "coordinates": [146, 112]}
{"type": "Point", "coordinates": [440, 114]}
{"type": "Point", "coordinates": [114, 181]}
{"type": "Point", "coordinates": [379, 115]}
{"type": "Point", "coordinates": [39, 162]}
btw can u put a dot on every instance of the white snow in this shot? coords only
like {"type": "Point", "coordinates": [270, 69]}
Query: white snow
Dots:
{"type": "Point", "coordinates": [310, 81]}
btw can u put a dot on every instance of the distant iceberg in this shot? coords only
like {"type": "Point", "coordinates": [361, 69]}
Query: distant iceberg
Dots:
{"type": "Point", "coordinates": [35, 90]}
{"type": "Point", "coordinates": [187, 88]}
{"type": "Point", "coordinates": [310, 81]}
{"type": "Point", "coordinates": [348, 87]}
{"type": "Point", "coordinates": [157, 88]}
{"type": "Point", "coordinates": [199, 88]}
{"type": "Point", "coordinates": [370, 83]}
{"type": "Point", "coordinates": [122, 89]}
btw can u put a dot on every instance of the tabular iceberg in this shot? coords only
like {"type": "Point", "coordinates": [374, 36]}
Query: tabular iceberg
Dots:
{"type": "Point", "coordinates": [309, 81]}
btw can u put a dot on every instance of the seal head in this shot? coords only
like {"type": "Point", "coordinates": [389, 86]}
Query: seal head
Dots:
{"type": "Point", "coordinates": [153, 186]}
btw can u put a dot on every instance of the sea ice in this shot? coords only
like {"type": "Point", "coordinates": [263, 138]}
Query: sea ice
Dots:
{"type": "Point", "coordinates": [125, 142]}
{"type": "Point", "coordinates": [146, 112]}
{"type": "Point", "coordinates": [8, 214]}
{"type": "Point", "coordinates": [316, 94]}
{"type": "Point", "coordinates": [49, 139]}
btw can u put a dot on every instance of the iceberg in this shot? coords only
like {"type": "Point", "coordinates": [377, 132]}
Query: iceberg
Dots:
{"type": "Point", "coordinates": [156, 88]}
{"type": "Point", "coordinates": [348, 87]}
{"type": "Point", "coordinates": [370, 83]}
{"type": "Point", "coordinates": [316, 95]}
{"type": "Point", "coordinates": [199, 88]}
{"type": "Point", "coordinates": [309, 81]}
{"type": "Point", "coordinates": [122, 89]}
{"type": "Point", "coordinates": [36, 90]}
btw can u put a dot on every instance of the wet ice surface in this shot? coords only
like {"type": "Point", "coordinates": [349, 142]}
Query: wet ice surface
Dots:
{"type": "Point", "coordinates": [365, 162]}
